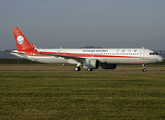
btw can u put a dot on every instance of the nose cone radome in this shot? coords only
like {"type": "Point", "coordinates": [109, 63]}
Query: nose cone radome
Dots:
{"type": "Point", "coordinates": [161, 58]}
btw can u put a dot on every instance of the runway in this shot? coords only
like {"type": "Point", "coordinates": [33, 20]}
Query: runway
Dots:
{"type": "Point", "coordinates": [83, 71]}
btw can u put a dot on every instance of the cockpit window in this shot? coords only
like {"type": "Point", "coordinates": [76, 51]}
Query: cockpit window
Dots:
{"type": "Point", "coordinates": [153, 53]}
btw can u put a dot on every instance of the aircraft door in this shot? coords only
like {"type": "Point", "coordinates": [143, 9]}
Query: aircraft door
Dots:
{"type": "Point", "coordinates": [64, 53]}
{"type": "Point", "coordinates": [32, 55]}
{"type": "Point", "coordinates": [142, 54]}
{"type": "Point", "coordinates": [92, 54]}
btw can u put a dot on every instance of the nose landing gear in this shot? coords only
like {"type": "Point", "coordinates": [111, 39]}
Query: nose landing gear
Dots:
{"type": "Point", "coordinates": [144, 69]}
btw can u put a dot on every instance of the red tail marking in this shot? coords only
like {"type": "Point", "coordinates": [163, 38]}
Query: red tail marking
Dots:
{"type": "Point", "coordinates": [21, 42]}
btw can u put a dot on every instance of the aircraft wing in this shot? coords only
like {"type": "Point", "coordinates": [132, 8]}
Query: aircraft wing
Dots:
{"type": "Point", "coordinates": [78, 59]}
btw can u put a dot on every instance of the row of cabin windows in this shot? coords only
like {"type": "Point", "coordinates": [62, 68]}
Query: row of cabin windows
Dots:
{"type": "Point", "coordinates": [106, 53]}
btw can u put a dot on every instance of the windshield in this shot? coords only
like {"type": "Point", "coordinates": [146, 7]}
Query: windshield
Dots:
{"type": "Point", "coordinates": [154, 53]}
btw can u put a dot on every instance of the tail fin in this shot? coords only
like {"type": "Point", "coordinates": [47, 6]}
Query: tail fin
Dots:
{"type": "Point", "coordinates": [21, 42]}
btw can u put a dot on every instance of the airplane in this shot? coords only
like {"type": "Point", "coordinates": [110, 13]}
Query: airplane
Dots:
{"type": "Point", "coordinates": [90, 59]}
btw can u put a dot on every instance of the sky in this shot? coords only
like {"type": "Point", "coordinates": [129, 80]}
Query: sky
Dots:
{"type": "Point", "coordinates": [79, 23]}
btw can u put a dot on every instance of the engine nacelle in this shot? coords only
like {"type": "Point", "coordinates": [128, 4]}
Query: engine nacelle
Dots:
{"type": "Point", "coordinates": [91, 64]}
{"type": "Point", "coordinates": [109, 66]}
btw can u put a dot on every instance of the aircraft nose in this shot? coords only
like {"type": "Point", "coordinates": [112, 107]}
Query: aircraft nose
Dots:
{"type": "Point", "coordinates": [161, 58]}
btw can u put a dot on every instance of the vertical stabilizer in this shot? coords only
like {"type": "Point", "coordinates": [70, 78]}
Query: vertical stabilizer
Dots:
{"type": "Point", "coordinates": [21, 42]}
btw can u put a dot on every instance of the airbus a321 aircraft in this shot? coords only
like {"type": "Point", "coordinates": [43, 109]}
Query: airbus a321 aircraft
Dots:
{"type": "Point", "coordinates": [88, 58]}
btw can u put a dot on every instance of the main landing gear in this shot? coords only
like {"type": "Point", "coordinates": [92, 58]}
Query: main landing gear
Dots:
{"type": "Point", "coordinates": [144, 69]}
{"type": "Point", "coordinates": [77, 68]}
{"type": "Point", "coordinates": [89, 70]}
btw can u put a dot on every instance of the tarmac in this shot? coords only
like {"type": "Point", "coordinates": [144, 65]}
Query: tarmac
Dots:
{"type": "Point", "coordinates": [84, 71]}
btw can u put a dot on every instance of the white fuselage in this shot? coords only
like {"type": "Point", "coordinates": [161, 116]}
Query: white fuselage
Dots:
{"type": "Point", "coordinates": [108, 56]}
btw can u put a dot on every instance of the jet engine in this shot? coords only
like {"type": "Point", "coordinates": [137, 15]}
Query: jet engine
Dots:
{"type": "Point", "coordinates": [108, 66]}
{"type": "Point", "coordinates": [91, 64]}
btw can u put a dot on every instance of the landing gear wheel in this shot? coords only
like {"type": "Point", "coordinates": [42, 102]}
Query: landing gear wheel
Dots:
{"type": "Point", "coordinates": [89, 70]}
{"type": "Point", "coordinates": [144, 70]}
{"type": "Point", "coordinates": [77, 68]}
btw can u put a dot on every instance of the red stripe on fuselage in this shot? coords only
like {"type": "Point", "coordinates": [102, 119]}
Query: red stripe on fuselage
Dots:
{"type": "Point", "coordinates": [78, 55]}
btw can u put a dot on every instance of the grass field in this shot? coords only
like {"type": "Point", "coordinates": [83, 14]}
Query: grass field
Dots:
{"type": "Point", "coordinates": [82, 95]}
